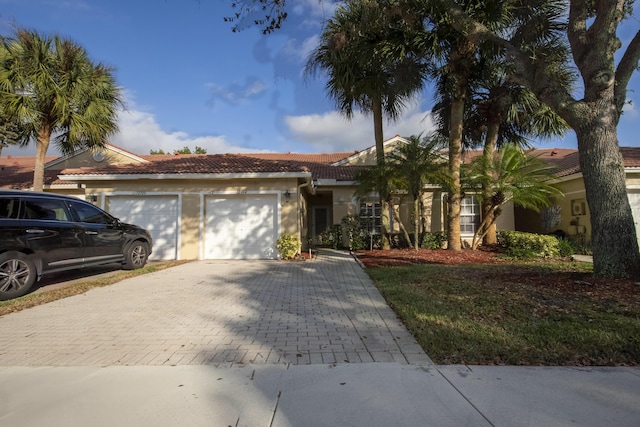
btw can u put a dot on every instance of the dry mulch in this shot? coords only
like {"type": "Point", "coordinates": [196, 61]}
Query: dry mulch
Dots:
{"type": "Point", "coordinates": [398, 257]}
{"type": "Point", "coordinates": [565, 283]}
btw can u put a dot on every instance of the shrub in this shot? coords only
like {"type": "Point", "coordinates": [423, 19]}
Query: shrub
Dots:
{"type": "Point", "coordinates": [399, 241]}
{"type": "Point", "coordinates": [565, 247]}
{"type": "Point", "coordinates": [357, 232]}
{"type": "Point", "coordinates": [288, 246]}
{"type": "Point", "coordinates": [433, 240]}
{"type": "Point", "coordinates": [521, 245]}
{"type": "Point", "coordinates": [331, 237]}
{"type": "Point", "coordinates": [580, 244]}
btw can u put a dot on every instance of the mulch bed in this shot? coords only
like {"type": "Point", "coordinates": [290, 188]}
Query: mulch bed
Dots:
{"type": "Point", "coordinates": [564, 282]}
{"type": "Point", "coordinates": [398, 257]}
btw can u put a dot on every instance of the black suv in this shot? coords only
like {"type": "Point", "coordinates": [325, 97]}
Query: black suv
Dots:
{"type": "Point", "coordinates": [42, 233]}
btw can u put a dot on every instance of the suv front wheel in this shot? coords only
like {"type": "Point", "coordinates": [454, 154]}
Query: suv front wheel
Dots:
{"type": "Point", "coordinates": [136, 256]}
{"type": "Point", "coordinates": [17, 275]}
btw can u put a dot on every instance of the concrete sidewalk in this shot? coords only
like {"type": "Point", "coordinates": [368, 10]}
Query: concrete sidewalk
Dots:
{"type": "Point", "coordinates": [266, 343]}
{"type": "Point", "coordinates": [363, 394]}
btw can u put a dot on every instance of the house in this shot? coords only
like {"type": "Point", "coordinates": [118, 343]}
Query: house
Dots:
{"type": "Point", "coordinates": [235, 206]}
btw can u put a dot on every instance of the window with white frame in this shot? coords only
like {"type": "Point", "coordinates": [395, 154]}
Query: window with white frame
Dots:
{"type": "Point", "coordinates": [370, 213]}
{"type": "Point", "coordinates": [469, 215]}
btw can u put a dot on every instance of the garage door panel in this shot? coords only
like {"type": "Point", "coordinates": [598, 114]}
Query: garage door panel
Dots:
{"type": "Point", "coordinates": [157, 214]}
{"type": "Point", "coordinates": [240, 227]}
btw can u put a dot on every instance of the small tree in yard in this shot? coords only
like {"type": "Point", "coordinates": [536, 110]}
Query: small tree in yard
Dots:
{"type": "Point", "coordinates": [510, 175]}
{"type": "Point", "coordinates": [417, 163]}
{"type": "Point", "coordinates": [383, 179]}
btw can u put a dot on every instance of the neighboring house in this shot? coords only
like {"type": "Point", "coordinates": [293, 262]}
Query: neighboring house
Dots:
{"type": "Point", "coordinates": [235, 206]}
{"type": "Point", "coordinates": [575, 217]}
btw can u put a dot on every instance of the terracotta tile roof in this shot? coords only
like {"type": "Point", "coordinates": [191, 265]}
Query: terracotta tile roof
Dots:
{"type": "Point", "coordinates": [631, 156]}
{"type": "Point", "coordinates": [17, 172]}
{"type": "Point", "coordinates": [326, 158]}
{"type": "Point", "coordinates": [339, 173]}
{"type": "Point", "coordinates": [196, 164]}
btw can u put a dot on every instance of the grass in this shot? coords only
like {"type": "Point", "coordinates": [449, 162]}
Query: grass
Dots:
{"type": "Point", "coordinates": [517, 313]}
{"type": "Point", "coordinates": [79, 287]}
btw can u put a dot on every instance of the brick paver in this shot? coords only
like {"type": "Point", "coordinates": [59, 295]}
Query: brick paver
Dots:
{"type": "Point", "coordinates": [217, 312]}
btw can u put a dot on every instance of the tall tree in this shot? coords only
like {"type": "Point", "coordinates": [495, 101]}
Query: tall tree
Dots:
{"type": "Point", "coordinates": [371, 67]}
{"type": "Point", "coordinates": [9, 133]}
{"type": "Point", "coordinates": [475, 103]}
{"type": "Point", "coordinates": [591, 29]}
{"type": "Point", "coordinates": [500, 111]}
{"type": "Point", "coordinates": [52, 90]}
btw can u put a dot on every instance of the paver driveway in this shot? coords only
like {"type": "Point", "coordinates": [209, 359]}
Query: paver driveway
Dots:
{"type": "Point", "coordinates": [217, 312]}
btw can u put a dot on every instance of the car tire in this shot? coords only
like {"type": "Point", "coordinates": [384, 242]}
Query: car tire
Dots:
{"type": "Point", "coordinates": [17, 275]}
{"type": "Point", "coordinates": [136, 255]}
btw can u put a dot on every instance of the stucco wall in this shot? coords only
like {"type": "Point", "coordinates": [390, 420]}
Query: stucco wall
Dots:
{"type": "Point", "coordinates": [192, 192]}
{"type": "Point", "coordinates": [85, 159]}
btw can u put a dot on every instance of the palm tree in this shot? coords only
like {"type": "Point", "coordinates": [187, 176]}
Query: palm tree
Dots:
{"type": "Point", "coordinates": [510, 175]}
{"type": "Point", "coordinates": [592, 109]}
{"type": "Point", "coordinates": [417, 163]}
{"type": "Point", "coordinates": [383, 179]}
{"type": "Point", "coordinates": [501, 112]}
{"type": "Point", "coordinates": [371, 66]}
{"type": "Point", "coordinates": [50, 88]}
{"type": "Point", "coordinates": [9, 133]}
{"type": "Point", "coordinates": [497, 110]}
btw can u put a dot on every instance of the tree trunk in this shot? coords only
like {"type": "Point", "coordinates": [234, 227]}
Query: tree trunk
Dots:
{"type": "Point", "coordinates": [384, 205]}
{"type": "Point", "coordinates": [455, 160]}
{"type": "Point", "coordinates": [490, 143]}
{"type": "Point", "coordinates": [613, 240]}
{"type": "Point", "coordinates": [416, 222]}
{"type": "Point", "coordinates": [42, 145]}
{"type": "Point", "coordinates": [461, 60]}
{"type": "Point", "coordinates": [396, 214]}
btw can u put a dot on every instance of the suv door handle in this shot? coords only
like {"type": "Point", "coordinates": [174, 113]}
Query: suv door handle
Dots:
{"type": "Point", "coordinates": [34, 231]}
{"type": "Point", "coordinates": [90, 232]}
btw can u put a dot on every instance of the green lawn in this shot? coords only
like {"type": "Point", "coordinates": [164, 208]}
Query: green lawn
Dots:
{"type": "Point", "coordinates": [515, 313]}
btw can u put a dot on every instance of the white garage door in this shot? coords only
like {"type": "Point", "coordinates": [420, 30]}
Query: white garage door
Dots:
{"type": "Point", "coordinates": [240, 227]}
{"type": "Point", "coordinates": [158, 214]}
{"type": "Point", "coordinates": [634, 201]}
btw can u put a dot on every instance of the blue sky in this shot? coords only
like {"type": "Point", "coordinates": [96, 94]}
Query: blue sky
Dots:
{"type": "Point", "coordinates": [189, 81]}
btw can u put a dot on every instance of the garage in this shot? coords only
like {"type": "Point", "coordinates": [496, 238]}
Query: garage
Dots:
{"type": "Point", "coordinates": [634, 201]}
{"type": "Point", "coordinates": [158, 214]}
{"type": "Point", "coordinates": [240, 227]}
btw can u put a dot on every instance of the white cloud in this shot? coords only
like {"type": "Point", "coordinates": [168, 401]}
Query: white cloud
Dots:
{"type": "Point", "coordinates": [140, 133]}
{"type": "Point", "coordinates": [237, 93]}
{"type": "Point", "coordinates": [300, 51]}
{"type": "Point", "coordinates": [333, 132]}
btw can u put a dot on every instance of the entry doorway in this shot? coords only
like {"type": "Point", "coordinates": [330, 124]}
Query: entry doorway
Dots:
{"type": "Point", "coordinates": [320, 220]}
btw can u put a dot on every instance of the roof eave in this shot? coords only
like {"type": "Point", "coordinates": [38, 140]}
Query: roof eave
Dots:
{"type": "Point", "coordinates": [182, 176]}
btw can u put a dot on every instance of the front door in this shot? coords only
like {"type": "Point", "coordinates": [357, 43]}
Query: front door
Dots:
{"type": "Point", "coordinates": [320, 221]}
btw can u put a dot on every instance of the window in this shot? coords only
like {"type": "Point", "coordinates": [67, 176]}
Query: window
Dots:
{"type": "Point", "coordinates": [9, 207]}
{"type": "Point", "coordinates": [469, 215]}
{"type": "Point", "coordinates": [578, 207]}
{"type": "Point", "coordinates": [47, 209]}
{"type": "Point", "coordinates": [89, 213]}
{"type": "Point", "coordinates": [370, 214]}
